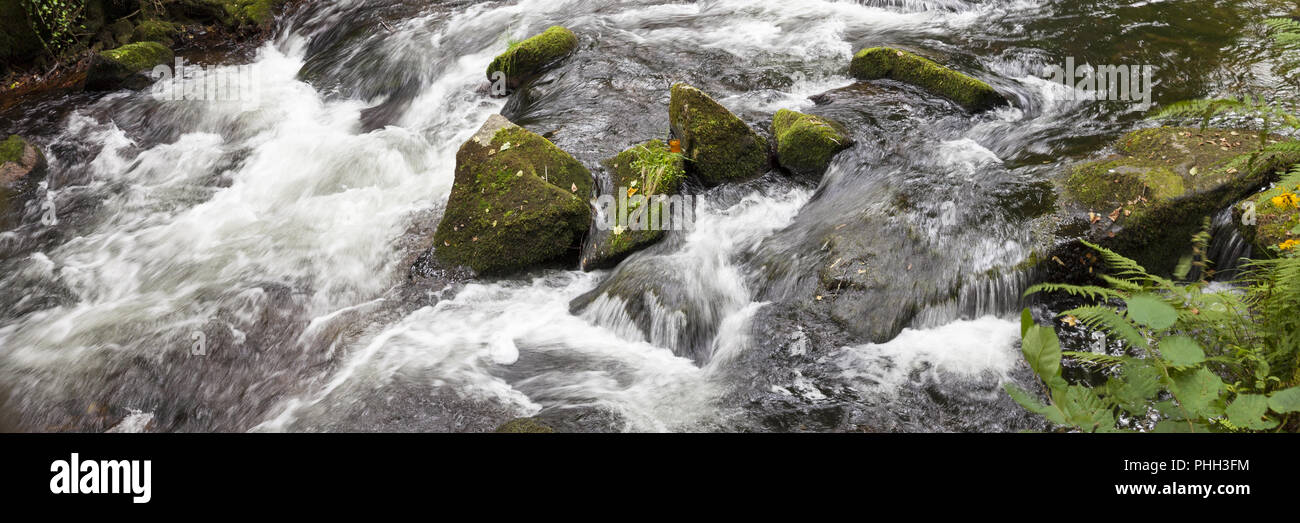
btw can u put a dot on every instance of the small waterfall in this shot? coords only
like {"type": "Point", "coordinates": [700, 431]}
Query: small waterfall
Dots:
{"type": "Point", "coordinates": [1227, 246]}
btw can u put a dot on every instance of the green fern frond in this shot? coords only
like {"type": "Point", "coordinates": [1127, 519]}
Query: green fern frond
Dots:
{"type": "Point", "coordinates": [1091, 292]}
{"type": "Point", "coordinates": [1107, 320]}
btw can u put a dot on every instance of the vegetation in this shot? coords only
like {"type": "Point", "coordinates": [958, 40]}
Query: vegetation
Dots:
{"type": "Point", "coordinates": [1195, 359]}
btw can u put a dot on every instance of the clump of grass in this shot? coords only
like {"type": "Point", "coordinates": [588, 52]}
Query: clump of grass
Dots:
{"type": "Point", "coordinates": [659, 168]}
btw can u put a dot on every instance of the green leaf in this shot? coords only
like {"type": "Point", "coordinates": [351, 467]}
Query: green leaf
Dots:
{"type": "Point", "coordinates": [1135, 387]}
{"type": "Point", "coordinates": [1032, 405]}
{"type": "Point", "coordinates": [1248, 411]}
{"type": "Point", "coordinates": [1151, 311]}
{"type": "Point", "coordinates": [1083, 409]}
{"type": "Point", "coordinates": [1285, 401]}
{"type": "Point", "coordinates": [1198, 392]}
{"type": "Point", "coordinates": [1026, 321]}
{"type": "Point", "coordinates": [1183, 268]}
{"type": "Point", "coordinates": [1181, 351]}
{"type": "Point", "coordinates": [1042, 350]}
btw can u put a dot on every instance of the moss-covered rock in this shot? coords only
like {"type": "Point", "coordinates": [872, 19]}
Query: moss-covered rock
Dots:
{"type": "Point", "coordinates": [126, 67]}
{"type": "Point", "coordinates": [884, 62]}
{"type": "Point", "coordinates": [1272, 223]}
{"type": "Point", "coordinates": [1148, 200]}
{"type": "Point", "coordinates": [159, 31]}
{"type": "Point", "coordinates": [805, 144]}
{"type": "Point", "coordinates": [526, 60]}
{"type": "Point", "coordinates": [525, 426]}
{"type": "Point", "coordinates": [643, 176]}
{"type": "Point", "coordinates": [717, 144]}
{"type": "Point", "coordinates": [517, 201]}
{"type": "Point", "coordinates": [252, 12]}
{"type": "Point", "coordinates": [19, 159]}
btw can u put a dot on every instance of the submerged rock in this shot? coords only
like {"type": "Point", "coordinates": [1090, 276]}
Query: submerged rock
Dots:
{"type": "Point", "coordinates": [805, 144]}
{"type": "Point", "coordinates": [644, 177]}
{"type": "Point", "coordinates": [524, 426]}
{"type": "Point", "coordinates": [1148, 200]}
{"type": "Point", "coordinates": [126, 66]}
{"type": "Point", "coordinates": [884, 62]}
{"type": "Point", "coordinates": [720, 147]}
{"type": "Point", "coordinates": [528, 59]}
{"type": "Point", "coordinates": [19, 160]}
{"type": "Point", "coordinates": [517, 201]}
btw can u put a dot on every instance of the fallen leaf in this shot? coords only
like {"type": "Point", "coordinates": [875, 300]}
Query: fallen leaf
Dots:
{"type": "Point", "coordinates": [574, 187]}
{"type": "Point", "coordinates": [1071, 321]}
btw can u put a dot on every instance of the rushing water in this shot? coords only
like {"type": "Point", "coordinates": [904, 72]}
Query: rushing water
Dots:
{"type": "Point", "coordinates": [281, 234]}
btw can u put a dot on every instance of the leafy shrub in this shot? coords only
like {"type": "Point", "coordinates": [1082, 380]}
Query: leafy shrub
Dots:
{"type": "Point", "coordinates": [1196, 359]}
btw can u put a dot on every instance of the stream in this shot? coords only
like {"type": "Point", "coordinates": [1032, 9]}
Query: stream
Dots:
{"type": "Point", "coordinates": [287, 236]}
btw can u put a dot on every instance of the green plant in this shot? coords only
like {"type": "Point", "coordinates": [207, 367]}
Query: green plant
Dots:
{"type": "Point", "coordinates": [658, 167]}
{"type": "Point", "coordinates": [53, 22]}
{"type": "Point", "coordinates": [1200, 360]}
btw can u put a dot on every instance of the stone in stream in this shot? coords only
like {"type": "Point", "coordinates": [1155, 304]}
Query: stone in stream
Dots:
{"type": "Point", "coordinates": [717, 143]}
{"type": "Point", "coordinates": [528, 59]}
{"type": "Point", "coordinates": [19, 160]}
{"type": "Point", "coordinates": [524, 426]}
{"type": "Point", "coordinates": [126, 67]}
{"type": "Point", "coordinates": [1148, 199]}
{"type": "Point", "coordinates": [518, 201]}
{"type": "Point", "coordinates": [805, 144]}
{"type": "Point", "coordinates": [645, 177]}
{"type": "Point", "coordinates": [884, 62]}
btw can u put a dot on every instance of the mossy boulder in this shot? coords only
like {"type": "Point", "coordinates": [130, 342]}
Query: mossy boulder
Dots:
{"type": "Point", "coordinates": [526, 60]}
{"type": "Point", "coordinates": [805, 144]}
{"type": "Point", "coordinates": [159, 31]}
{"type": "Point", "coordinates": [252, 12]}
{"type": "Point", "coordinates": [525, 426]}
{"type": "Point", "coordinates": [517, 201]}
{"type": "Point", "coordinates": [126, 67]}
{"type": "Point", "coordinates": [1149, 199]}
{"type": "Point", "coordinates": [717, 144]}
{"type": "Point", "coordinates": [1272, 220]}
{"type": "Point", "coordinates": [644, 177]}
{"type": "Point", "coordinates": [888, 63]}
{"type": "Point", "coordinates": [19, 160]}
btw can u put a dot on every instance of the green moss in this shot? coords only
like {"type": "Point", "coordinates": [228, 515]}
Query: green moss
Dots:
{"type": "Point", "coordinates": [155, 31]}
{"type": "Point", "coordinates": [139, 56]}
{"type": "Point", "coordinates": [805, 144]}
{"type": "Point", "coordinates": [518, 201]}
{"type": "Point", "coordinates": [884, 62]}
{"type": "Point", "coordinates": [525, 426]}
{"type": "Point", "coordinates": [718, 145]}
{"type": "Point", "coordinates": [11, 150]}
{"type": "Point", "coordinates": [1155, 194]}
{"type": "Point", "coordinates": [646, 169]}
{"type": "Point", "coordinates": [526, 59]}
{"type": "Point", "coordinates": [1105, 184]}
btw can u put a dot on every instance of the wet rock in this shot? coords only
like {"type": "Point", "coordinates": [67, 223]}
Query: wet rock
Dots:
{"type": "Point", "coordinates": [529, 58]}
{"type": "Point", "coordinates": [644, 177]}
{"type": "Point", "coordinates": [19, 160]}
{"type": "Point", "coordinates": [720, 147]}
{"type": "Point", "coordinates": [805, 144]}
{"type": "Point", "coordinates": [524, 426]}
{"type": "Point", "coordinates": [884, 62]}
{"type": "Point", "coordinates": [126, 66]}
{"type": "Point", "coordinates": [1149, 199]}
{"type": "Point", "coordinates": [517, 201]}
